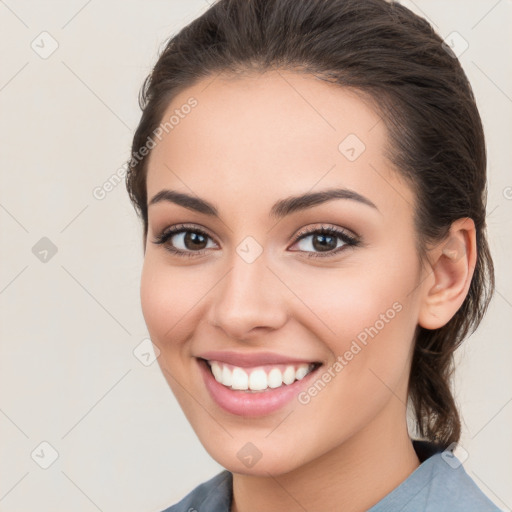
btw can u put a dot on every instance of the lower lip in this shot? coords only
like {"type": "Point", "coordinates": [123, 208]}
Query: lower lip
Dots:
{"type": "Point", "coordinates": [251, 404]}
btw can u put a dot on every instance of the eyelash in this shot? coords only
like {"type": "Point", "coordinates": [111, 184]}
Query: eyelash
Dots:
{"type": "Point", "coordinates": [349, 241]}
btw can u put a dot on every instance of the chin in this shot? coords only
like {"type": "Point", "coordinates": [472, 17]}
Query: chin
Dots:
{"type": "Point", "coordinates": [247, 458]}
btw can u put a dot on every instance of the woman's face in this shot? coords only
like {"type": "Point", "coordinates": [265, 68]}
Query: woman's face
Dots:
{"type": "Point", "coordinates": [258, 291]}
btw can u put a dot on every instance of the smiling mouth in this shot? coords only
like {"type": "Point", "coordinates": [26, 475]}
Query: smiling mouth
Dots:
{"type": "Point", "coordinates": [259, 379]}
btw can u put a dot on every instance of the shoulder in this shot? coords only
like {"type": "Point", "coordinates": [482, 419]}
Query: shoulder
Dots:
{"type": "Point", "coordinates": [454, 489]}
{"type": "Point", "coordinates": [214, 495]}
{"type": "Point", "coordinates": [439, 484]}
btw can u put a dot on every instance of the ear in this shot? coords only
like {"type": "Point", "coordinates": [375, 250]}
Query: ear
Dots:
{"type": "Point", "coordinates": [452, 265]}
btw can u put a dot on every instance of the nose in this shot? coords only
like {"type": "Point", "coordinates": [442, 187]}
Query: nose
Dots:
{"type": "Point", "coordinates": [248, 301]}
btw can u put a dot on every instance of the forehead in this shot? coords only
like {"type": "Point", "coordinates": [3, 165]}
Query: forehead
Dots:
{"type": "Point", "coordinates": [272, 134]}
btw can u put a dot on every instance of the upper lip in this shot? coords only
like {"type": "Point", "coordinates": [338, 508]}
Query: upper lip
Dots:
{"type": "Point", "coordinates": [254, 359]}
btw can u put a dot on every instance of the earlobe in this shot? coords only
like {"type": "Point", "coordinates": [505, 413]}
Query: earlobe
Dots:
{"type": "Point", "coordinates": [452, 266]}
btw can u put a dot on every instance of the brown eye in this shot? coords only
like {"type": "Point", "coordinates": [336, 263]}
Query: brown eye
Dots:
{"type": "Point", "coordinates": [324, 241]}
{"type": "Point", "coordinates": [320, 242]}
{"type": "Point", "coordinates": [184, 241]}
{"type": "Point", "coordinates": [192, 240]}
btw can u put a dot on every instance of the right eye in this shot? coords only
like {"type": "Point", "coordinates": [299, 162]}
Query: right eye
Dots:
{"type": "Point", "coordinates": [183, 240]}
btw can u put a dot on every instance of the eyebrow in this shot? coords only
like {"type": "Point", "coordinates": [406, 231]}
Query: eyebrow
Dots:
{"type": "Point", "coordinates": [280, 209]}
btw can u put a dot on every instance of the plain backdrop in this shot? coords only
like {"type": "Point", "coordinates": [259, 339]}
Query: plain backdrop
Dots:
{"type": "Point", "coordinates": [77, 394]}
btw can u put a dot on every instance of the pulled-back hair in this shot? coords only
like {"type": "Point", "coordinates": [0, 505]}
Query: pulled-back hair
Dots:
{"type": "Point", "coordinates": [435, 136]}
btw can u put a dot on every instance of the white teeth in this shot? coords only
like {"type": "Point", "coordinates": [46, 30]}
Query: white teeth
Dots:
{"type": "Point", "coordinates": [257, 379]}
{"type": "Point", "coordinates": [240, 379]}
{"type": "Point", "coordinates": [275, 378]}
{"type": "Point", "coordinates": [302, 371]}
{"type": "Point", "coordinates": [227, 379]}
{"type": "Point", "coordinates": [289, 375]}
{"type": "Point", "coordinates": [217, 371]}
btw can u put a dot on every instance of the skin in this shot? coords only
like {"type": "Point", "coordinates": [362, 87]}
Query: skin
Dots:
{"type": "Point", "coordinates": [249, 142]}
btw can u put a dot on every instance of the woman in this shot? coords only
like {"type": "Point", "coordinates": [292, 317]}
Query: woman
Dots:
{"type": "Point", "coordinates": [311, 176]}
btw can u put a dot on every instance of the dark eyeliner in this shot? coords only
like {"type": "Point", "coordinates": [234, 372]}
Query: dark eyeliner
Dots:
{"type": "Point", "coordinates": [349, 240]}
{"type": "Point", "coordinates": [163, 237]}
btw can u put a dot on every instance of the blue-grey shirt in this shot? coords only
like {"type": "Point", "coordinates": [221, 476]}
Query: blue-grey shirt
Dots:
{"type": "Point", "coordinates": [438, 484]}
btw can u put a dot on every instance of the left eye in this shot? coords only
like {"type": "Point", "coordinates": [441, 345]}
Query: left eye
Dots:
{"type": "Point", "coordinates": [325, 241]}
{"type": "Point", "coordinates": [320, 242]}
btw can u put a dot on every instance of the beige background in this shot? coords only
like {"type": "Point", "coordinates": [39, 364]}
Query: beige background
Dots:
{"type": "Point", "coordinates": [69, 325]}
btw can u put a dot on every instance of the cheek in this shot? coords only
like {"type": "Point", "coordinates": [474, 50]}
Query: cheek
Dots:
{"type": "Point", "coordinates": [343, 304]}
{"type": "Point", "coordinates": [374, 317]}
{"type": "Point", "coordinates": [168, 297]}
{"type": "Point", "coordinates": [169, 304]}
{"type": "Point", "coordinates": [367, 315]}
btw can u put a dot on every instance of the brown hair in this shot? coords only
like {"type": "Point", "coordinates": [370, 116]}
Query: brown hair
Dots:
{"type": "Point", "coordinates": [436, 139]}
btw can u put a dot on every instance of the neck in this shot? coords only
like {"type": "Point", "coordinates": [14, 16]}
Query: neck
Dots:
{"type": "Point", "coordinates": [352, 477]}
